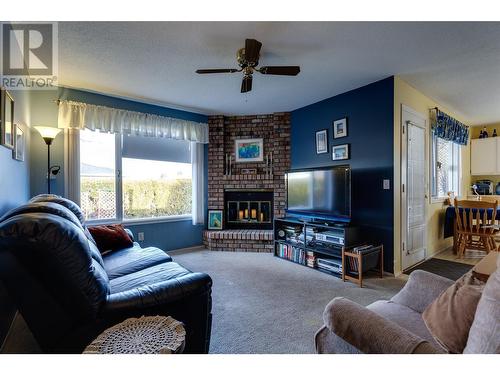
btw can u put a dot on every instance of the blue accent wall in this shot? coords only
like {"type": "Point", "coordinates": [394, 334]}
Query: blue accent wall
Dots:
{"type": "Point", "coordinates": [370, 127]}
{"type": "Point", "coordinates": [166, 235]}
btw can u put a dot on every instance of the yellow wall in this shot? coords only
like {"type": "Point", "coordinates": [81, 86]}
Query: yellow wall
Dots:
{"type": "Point", "coordinates": [409, 96]}
{"type": "Point", "coordinates": [475, 130]}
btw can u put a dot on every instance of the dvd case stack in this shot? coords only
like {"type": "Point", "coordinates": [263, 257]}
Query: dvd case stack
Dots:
{"type": "Point", "coordinates": [292, 253]}
{"type": "Point", "coordinates": [310, 259]}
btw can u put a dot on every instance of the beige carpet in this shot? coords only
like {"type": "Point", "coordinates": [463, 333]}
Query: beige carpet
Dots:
{"type": "Point", "coordinates": [261, 304]}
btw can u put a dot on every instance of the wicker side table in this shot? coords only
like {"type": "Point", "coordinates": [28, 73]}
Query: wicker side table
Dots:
{"type": "Point", "coordinates": [145, 335]}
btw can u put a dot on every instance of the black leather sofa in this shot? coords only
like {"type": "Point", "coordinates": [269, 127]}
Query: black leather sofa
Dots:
{"type": "Point", "coordinates": [68, 293]}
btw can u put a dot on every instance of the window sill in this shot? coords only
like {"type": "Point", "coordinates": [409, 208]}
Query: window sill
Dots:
{"type": "Point", "coordinates": [166, 219]}
{"type": "Point", "coordinates": [438, 199]}
{"type": "Point", "coordinates": [157, 220]}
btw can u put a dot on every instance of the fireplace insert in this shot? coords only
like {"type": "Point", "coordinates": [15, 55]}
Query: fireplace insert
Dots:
{"type": "Point", "coordinates": [249, 209]}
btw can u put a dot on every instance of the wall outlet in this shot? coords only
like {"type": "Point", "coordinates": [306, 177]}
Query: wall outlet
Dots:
{"type": "Point", "coordinates": [387, 184]}
{"type": "Point", "coordinates": [140, 236]}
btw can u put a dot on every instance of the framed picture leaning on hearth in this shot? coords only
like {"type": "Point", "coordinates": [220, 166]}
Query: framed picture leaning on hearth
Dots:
{"type": "Point", "coordinates": [6, 119]}
{"type": "Point", "coordinates": [340, 128]}
{"type": "Point", "coordinates": [249, 150]}
{"type": "Point", "coordinates": [215, 219]}
{"type": "Point", "coordinates": [322, 141]}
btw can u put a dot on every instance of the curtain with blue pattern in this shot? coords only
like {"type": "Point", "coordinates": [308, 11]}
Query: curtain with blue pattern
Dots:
{"type": "Point", "coordinates": [449, 128]}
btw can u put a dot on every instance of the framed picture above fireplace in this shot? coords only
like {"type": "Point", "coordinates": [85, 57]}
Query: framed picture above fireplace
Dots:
{"type": "Point", "coordinates": [249, 150]}
{"type": "Point", "coordinates": [215, 219]}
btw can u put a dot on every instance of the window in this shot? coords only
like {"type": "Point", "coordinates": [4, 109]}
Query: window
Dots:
{"type": "Point", "coordinates": [154, 188]}
{"type": "Point", "coordinates": [97, 175]}
{"type": "Point", "coordinates": [134, 178]}
{"type": "Point", "coordinates": [445, 168]}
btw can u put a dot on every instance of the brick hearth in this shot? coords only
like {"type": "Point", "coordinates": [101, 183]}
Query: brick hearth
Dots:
{"type": "Point", "coordinates": [239, 240]}
{"type": "Point", "coordinates": [275, 131]}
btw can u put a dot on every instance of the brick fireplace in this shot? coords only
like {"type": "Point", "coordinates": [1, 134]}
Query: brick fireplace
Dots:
{"type": "Point", "coordinates": [250, 194]}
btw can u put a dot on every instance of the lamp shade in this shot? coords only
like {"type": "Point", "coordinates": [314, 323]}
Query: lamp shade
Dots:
{"type": "Point", "coordinates": [48, 132]}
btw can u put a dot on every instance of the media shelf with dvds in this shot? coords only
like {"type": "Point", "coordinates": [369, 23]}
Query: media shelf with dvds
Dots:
{"type": "Point", "coordinates": [314, 244]}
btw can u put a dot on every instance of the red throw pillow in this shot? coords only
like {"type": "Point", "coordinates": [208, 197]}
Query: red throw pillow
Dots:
{"type": "Point", "coordinates": [110, 237]}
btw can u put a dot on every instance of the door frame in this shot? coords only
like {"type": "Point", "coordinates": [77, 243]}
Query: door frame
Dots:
{"type": "Point", "coordinates": [404, 179]}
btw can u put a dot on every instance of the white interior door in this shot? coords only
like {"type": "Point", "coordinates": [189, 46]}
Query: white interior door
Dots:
{"type": "Point", "coordinates": [414, 188]}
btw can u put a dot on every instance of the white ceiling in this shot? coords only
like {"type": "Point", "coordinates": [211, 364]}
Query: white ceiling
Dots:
{"type": "Point", "coordinates": [457, 64]}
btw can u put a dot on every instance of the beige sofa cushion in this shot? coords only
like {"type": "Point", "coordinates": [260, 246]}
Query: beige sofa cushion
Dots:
{"type": "Point", "coordinates": [450, 316]}
{"type": "Point", "coordinates": [484, 335]}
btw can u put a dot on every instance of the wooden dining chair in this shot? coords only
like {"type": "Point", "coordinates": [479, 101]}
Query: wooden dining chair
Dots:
{"type": "Point", "coordinates": [471, 218]}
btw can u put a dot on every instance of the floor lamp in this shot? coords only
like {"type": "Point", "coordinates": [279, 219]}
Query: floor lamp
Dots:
{"type": "Point", "coordinates": [48, 134]}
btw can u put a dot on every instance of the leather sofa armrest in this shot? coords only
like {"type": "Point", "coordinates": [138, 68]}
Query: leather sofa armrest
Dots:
{"type": "Point", "coordinates": [130, 234]}
{"type": "Point", "coordinates": [421, 290]}
{"type": "Point", "coordinates": [370, 332]}
{"type": "Point", "coordinates": [162, 293]}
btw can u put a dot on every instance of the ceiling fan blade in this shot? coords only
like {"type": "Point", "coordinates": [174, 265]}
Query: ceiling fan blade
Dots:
{"type": "Point", "coordinates": [246, 84]}
{"type": "Point", "coordinates": [280, 70]}
{"type": "Point", "coordinates": [208, 71]}
{"type": "Point", "coordinates": [252, 50]}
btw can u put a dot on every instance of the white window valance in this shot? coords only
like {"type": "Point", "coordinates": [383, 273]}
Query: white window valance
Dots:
{"type": "Point", "coordinates": [76, 115]}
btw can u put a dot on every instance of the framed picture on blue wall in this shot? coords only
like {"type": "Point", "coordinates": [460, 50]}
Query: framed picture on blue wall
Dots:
{"type": "Point", "coordinates": [340, 128]}
{"type": "Point", "coordinates": [322, 141]}
{"type": "Point", "coordinates": [19, 144]}
{"type": "Point", "coordinates": [6, 119]}
{"type": "Point", "coordinates": [340, 152]}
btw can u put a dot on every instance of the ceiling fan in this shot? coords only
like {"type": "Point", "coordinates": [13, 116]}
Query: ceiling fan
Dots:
{"type": "Point", "coordinates": [248, 59]}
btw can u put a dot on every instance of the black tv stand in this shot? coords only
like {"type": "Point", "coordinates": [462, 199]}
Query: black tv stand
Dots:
{"type": "Point", "coordinates": [313, 242]}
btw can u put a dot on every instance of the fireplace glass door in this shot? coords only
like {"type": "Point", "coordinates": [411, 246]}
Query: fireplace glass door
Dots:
{"type": "Point", "coordinates": [249, 210]}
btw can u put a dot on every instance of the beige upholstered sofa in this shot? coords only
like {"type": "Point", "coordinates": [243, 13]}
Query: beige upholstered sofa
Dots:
{"type": "Point", "coordinates": [396, 326]}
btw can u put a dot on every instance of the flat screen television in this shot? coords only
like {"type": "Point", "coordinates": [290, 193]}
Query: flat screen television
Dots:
{"type": "Point", "coordinates": [323, 193]}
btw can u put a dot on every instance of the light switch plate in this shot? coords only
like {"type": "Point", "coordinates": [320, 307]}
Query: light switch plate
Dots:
{"type": "Point", "coordinates": [387, 184]}
{"type": "Point", "coordinates": [140, 236]}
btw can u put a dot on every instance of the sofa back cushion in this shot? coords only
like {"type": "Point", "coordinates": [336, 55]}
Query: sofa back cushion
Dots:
{"type": "Point", "coordinates": [55, 252]}
{"type": "Point", "coordinates": [484, 335]}
{"type": "Point", "coordinates": [47, 207]}
{"type": "Point", "coordinates": [450, 316]}
{"type": "Point", "coordinates": [70, 205]}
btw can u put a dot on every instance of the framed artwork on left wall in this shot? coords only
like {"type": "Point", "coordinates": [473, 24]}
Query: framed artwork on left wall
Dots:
{"type": "Point", "coordinates": [19, 143]}
{"type": "Point", "coordinates": [6, 119]}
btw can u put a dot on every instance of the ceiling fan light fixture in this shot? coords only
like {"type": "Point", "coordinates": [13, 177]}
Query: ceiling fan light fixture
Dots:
{"type": "Point", "coordinates": [248, 59]}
